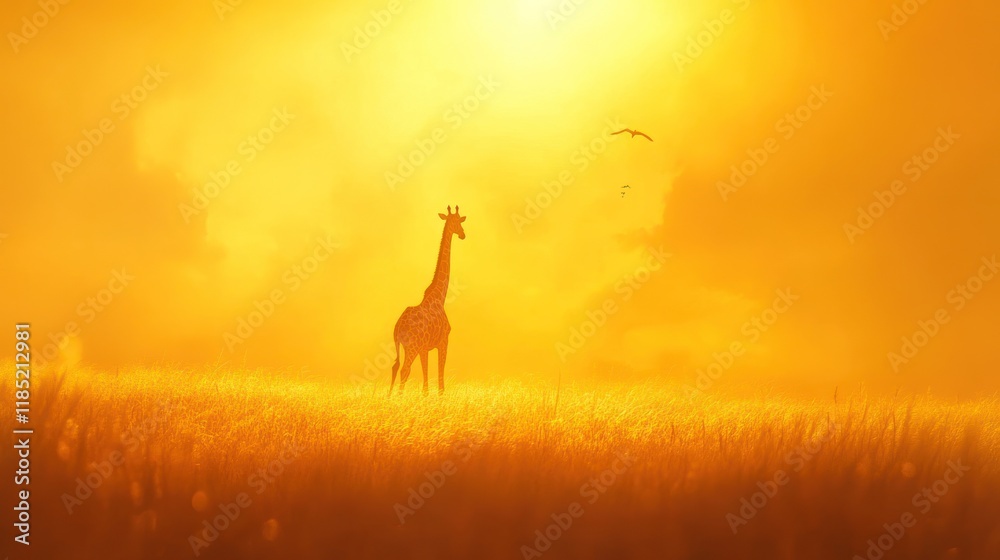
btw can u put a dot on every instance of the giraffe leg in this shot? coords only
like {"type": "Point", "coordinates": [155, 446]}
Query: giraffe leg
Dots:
{"type": "Point", "coordinates": [442, 356]}
{"type": "Point", "coordinates": [423, 366]}
{"type": "Point", "coordinates": [395, 367]}
{"type": "Point", "coordinates": [404, 373]}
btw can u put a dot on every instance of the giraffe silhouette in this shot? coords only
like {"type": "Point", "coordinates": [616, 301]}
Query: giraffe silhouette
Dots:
{"type": "Point", "coordinates": [425, 327]}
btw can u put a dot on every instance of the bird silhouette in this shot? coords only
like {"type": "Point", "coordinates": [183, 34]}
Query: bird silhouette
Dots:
{"type": "Point", "coordinates": [633, 133]}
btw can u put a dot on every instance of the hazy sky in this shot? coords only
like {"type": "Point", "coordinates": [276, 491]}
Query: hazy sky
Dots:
{"type": "Point", "coordinates": [169, 169]}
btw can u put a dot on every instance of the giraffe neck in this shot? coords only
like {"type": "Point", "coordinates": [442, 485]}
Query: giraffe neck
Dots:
{"type": "Point", "coordinates": [438, 289]}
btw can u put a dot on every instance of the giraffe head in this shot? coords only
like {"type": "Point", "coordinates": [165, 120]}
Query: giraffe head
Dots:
{"type": "Point", "coordinates": [453, 223]}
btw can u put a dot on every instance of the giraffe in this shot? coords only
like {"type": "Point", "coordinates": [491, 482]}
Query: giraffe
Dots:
{"type": "Point", "coordinates": [425, 327]}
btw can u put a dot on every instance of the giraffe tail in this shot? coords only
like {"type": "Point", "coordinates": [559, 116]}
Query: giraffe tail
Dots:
{"type": "Point", "coordinates": [395, 367]}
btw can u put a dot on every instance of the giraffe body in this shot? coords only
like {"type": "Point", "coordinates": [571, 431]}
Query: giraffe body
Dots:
{"type": "Point", "coordinates": [422, 329]}
{"type": "Point", "coordinates": [425, 327]}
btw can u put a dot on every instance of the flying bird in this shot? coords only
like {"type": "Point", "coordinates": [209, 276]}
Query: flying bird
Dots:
{"type": "Point", "coordinates": [633, 132]}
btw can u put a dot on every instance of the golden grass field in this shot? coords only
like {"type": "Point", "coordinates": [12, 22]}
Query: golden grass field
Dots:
{"type": "Point", "coordinates": [168, 451]}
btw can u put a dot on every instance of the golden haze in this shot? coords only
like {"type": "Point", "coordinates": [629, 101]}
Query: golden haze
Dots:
{"type": "Point", "coordinates": [324, 173]}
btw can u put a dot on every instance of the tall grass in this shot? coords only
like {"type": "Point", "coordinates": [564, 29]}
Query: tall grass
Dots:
{"type": "Point", "coordinates": [191, 442]}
